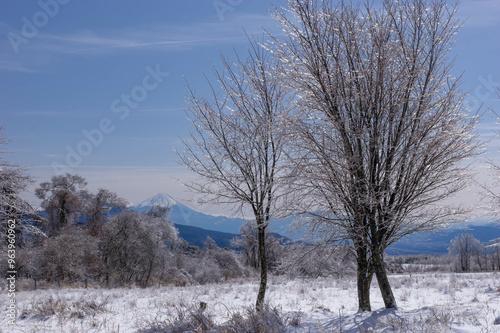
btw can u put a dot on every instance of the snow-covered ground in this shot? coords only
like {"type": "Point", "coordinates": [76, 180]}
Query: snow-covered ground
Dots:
{"type": "Point", "coordinates": [431, 302]}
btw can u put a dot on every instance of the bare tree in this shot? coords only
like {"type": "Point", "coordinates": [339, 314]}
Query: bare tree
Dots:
{"type": "Point", "coordinates": [99, 205]}
{"type": "Point", "coordinates": [159, 211]}
{"type": "Point", "coordinates": [382, 133]}
{"type": "Point", "coordinates": [494, 249]}
{"type": "Point", "coordinates": [70, 256]}
{"type": "Point", "coordinates": [13, 180]}
{"type": "Point", "coordinates": [481, 254]}
{"type": "Point", "coordinates": [133, 246]}
{"type": "Point", "coordinates": [305, 259]}
{"type": "Point", "coordinates": [490, 190]}
{"type": "Point", "coordinates": [248, 244]}
{"type": "Point", "coordinates": [237, 144]}
{"type": "Point", "coordinates": [464, 246]}
{"type": "Point", "coordinates": [226, 260]}
{"type": "Point", "coordinates": [64, 199]}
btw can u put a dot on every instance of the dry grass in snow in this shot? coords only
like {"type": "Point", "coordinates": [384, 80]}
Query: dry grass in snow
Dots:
{"type": "Point", "coordinates": [432, 302]}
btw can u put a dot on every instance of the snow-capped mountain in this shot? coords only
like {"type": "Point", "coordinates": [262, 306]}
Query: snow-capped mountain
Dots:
{"type": "Point", "coordinates": [417, 244]}
{"type": "Point", "coordinates": [160, 199]}
{"type": "Point", "coordinates": [182, 214]}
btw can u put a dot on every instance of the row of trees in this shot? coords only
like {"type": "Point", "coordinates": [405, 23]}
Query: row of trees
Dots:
{"type": "Point", "coordinates": [126, 247]}
{"type": "Point", "coordinates": [77, 238]}
{"type": "Point", "coordinates": [472, 255]}
{"type": "Point", "coordinates": [65, 200]}
{"type": "Point", "coordinates": [352, 117]}
{"type": "Point", "coordinates": [82, 237]}
{"type": "Point", "coordinates": [97, 240]}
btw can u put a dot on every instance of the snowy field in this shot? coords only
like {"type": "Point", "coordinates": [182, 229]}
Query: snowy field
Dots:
{"type": "Point", "coordinates": [432, 302]}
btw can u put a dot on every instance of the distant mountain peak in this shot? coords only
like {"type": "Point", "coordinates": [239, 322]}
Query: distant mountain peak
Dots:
{"type": "Point", "coordinates": [160, 199]}
{"type": "Point", "coordinates": [183, 214]}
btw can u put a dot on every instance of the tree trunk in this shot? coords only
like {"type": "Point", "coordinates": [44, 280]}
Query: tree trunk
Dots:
{"type": "Point", "coordinates": [150, 270]}
{"type": "Point", "coordinates": [365, 275]}
{"type": "Point", "coordinates": [479, 263]}
{"type": "Point", "coordinates": [383, 281]}
{"type": "Point", "coordinates": [485, 258]}
{"type": "Point", "coordinates": [261, 236]}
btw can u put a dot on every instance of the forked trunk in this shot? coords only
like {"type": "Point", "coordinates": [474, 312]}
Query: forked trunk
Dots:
{"type": "Point", "coordinates": [383, 281]}
{"type": "Point", "coordinates": [261, 235]}
{"type": "Point", "coordinates": [364, 279]}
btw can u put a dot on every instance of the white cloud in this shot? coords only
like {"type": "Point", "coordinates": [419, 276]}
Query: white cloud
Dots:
{"type": "Point", "coordinates": [171, 37]}
{"type": "Point", "coordinates": [45, 49]}
{"type": "Point", "coordinates": [40, 113]}
{"type": "Point", "coordinates": [162, 110]}
{"type": "Point", "coordinates": [58, 156]}
{"type": "Point", "coordinates": [17, 66]}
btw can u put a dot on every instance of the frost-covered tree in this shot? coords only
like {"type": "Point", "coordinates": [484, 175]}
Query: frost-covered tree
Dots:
{"type": "Point", "coordinates": [159, 211]}
{"type": "Point", "coordinates": [98, 207]}
{"type": "Point", "coordinates": [63, 199]}
{"type": "Point", "coordinates": [133, 246]}
{"type": "Point", "coordinates": [248, 244]}
{"type": "Point", "coordinates": [382, 133]}
{"type": "Point", "coordinates": [237, 144]}
{"type": "Point", "coordinates": [70, 256]}
{"type": "Point", "coordinates": [216, 264]}
{"type": "Point", "coordinates": [490, 190]}
{"type": "Point", "coordinates": [481, 255]}
{"type": "Point", "coordinates": [464, 246]}
{"type": "Point", "coordinates": [210, 244]}
{"type": "Point", "coordinates": [301, 259]}
{"type": "Point", "coordinates": [13, 180]}
{"type": "Point", "coordinates": [494, 249]}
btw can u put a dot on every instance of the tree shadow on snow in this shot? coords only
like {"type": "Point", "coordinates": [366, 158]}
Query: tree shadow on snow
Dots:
{"type": "Point", "coordinates": [360, 321]}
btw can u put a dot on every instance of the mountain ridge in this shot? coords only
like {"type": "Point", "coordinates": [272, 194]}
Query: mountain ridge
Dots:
{"type": "Point", "coordinates": [160, 199]}
{"type": "Point", "coordinates": [185, 215]}
{"type": "Point", "coordinates": [196, 226]}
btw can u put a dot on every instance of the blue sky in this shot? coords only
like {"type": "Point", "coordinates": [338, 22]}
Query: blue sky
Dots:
{"type": "Point", "coordinates": [105, 79]}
